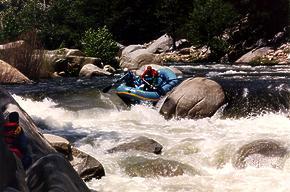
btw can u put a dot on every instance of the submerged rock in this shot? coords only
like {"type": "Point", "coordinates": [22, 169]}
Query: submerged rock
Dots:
{"type": "Point", "coordinates": [261, 153]}
{"type": "Point", "coordinates": [160, 45]}
{"type": "Point", "coordinates": [143, 167]}
{"type": "Point", "coordinates": [140, 144]}
{"type": "Point", "coordinates": [193, 98]}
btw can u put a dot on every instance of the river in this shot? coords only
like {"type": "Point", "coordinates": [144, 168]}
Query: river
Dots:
{"type": "Point", "coordinates": [258, 102]}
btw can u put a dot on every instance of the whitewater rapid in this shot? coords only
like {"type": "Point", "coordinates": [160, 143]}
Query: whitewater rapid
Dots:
{"type": "Point", "coordinates": [206, 144]}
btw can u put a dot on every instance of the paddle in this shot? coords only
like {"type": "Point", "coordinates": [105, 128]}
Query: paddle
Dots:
{"type": "Point", "coordinates": [151, 86]}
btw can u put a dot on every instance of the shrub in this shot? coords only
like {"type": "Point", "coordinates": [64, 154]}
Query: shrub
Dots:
{"type": "Point", "coordinates": [99, 43]}
{"type": "Point", "coordinates": [218, 47]}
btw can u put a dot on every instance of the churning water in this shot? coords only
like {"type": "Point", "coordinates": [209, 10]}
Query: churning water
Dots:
{"type": "Point", "coordinates": [258, 99]}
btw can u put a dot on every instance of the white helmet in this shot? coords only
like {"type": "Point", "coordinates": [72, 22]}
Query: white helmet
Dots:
{"type": "Point", "coordinates": [125, 69]}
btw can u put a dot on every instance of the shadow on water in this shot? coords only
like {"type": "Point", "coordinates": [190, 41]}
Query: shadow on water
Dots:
{"type": "Point", "coordinates": [250, 98]}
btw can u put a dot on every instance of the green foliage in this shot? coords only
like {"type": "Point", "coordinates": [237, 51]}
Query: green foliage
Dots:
{"type": "Point", "coordinates": [208, 19]}
{"type": "Point", "coordinates": [218, 48]}
{"type": "Point", "coordinates": [20, 17]}
{"type": "Point", "coordinates": [264, 18]}
{"type": "Point", "coordinates": [99, 43]}
{"type": "Point", "coordinates": [133, 21]}
{"type": "Point", "coordinates": [61, 26]}
{"type": "Point", "coordinates": [9, 28]}
{"type": "Point", "coordinates": [207, 22]}
{"type": "Point", "coordinates": [61, 23]}
{"type": "Point", "coordinates": [171, 14]}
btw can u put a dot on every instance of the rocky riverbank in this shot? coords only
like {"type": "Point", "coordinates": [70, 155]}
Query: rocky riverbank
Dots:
{"type": "Point", "coordinates": [72, 62]}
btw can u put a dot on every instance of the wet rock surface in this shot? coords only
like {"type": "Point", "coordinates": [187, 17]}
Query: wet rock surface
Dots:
{"type": "Point", "coordinates": [193, 98]}
{"type": "Point", "coordinates": [261, 153]}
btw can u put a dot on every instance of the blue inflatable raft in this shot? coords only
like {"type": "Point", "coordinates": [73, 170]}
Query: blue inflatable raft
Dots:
{"type": "Point", "coordinates": [167, 80]}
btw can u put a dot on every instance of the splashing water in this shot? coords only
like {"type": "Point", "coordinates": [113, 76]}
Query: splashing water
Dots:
{"type": "Point", "coordinates": [206, 144]}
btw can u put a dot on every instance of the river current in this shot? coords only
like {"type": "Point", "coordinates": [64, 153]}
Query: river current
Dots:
{"type": "Point", "coordinates": [257, 107]}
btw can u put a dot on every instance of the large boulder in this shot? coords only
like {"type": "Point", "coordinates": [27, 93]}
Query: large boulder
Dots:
{"type": "Point", "coordinates": [49, 171]}
{"type": "Point", "coordinates": [160, 45]}
{"type": "Point", "coordinates": [10, 74]}
{"type": "Point", "coordinates": [140, 144]}
{"type": "Point", "coordinates": [131, 48]}
{"type": "Point", "coordinates": [193, 98]}
{"type": "Point", "coordinates": [90, 70]}
{"type": "Point", "coordinates": [138, 58]}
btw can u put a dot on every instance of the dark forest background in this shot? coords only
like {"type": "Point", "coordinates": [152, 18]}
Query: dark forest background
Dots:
{"type": "Point", "coordinates": [221, 24]}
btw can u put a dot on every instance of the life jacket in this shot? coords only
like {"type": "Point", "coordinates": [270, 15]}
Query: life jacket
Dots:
{"type": "Point", "coordinates": [10, 133]}
{"type": "Point", "coordinates": [150, 73]}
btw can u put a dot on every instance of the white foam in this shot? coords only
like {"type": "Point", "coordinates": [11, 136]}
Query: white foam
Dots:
{"type": "Point", "coordinates": [198, 142]}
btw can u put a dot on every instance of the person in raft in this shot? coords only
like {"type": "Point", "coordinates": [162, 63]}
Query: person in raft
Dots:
{"type": "Point", "coordinates": [150, 78]}
{"type": "Point", "coordinates": [129, 78]}
{"type": "Point", "coordinates": [16, 140]}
